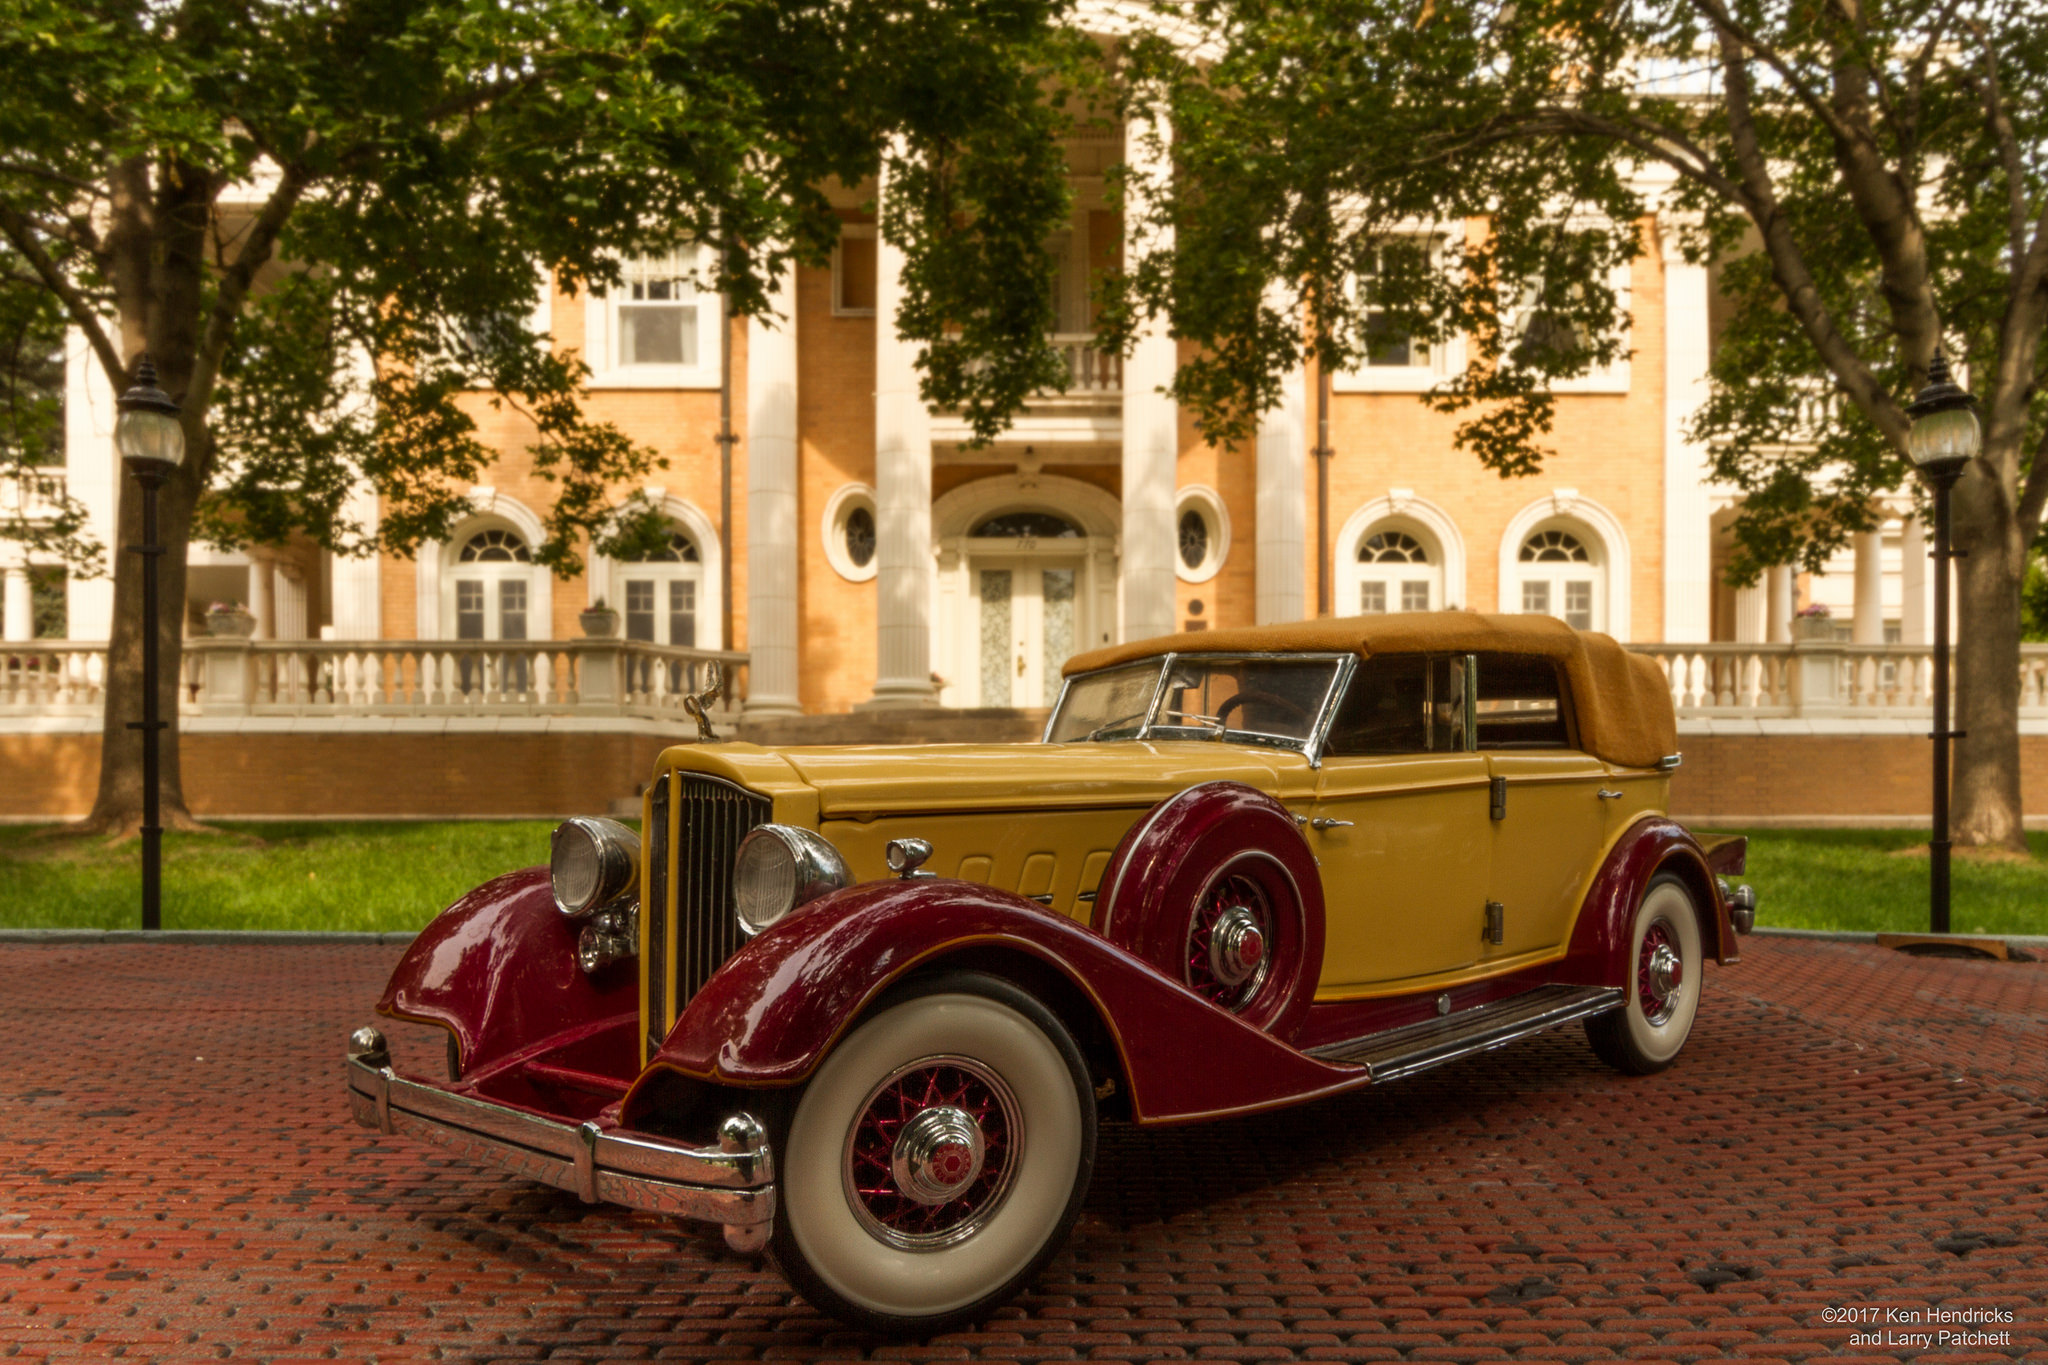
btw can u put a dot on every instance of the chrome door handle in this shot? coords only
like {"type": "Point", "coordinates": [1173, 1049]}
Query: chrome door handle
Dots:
{"type": "Point", "coordinates": [1606, 795]}
{"type": "Point", "coordinates": [1322, 823]}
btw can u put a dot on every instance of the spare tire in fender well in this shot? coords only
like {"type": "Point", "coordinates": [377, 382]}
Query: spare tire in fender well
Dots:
{"type": "Point", "coordinates": [1220, 841]}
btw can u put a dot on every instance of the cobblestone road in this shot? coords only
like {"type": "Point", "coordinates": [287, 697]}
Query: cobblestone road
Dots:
{"type": "Point", "coordinates": [1849, 1130]}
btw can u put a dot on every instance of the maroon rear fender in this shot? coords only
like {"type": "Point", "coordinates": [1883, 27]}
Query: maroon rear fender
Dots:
{"type": "Point", "coordinates": [1599, 953]}
{"type": "Point", "coordinates": [498, 970]}
{"type": "Point", "coordinates": [773, 1011]}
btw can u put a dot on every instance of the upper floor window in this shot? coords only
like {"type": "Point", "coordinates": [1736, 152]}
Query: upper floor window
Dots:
{"type": "Point", "coordinates": [656, 328]}
{"type": "Point", "coordinates": [1396, 359]}
{"type": "Point", "coordinates": [854, 266]}
{"type": "Point", "coordinates": [1538, 327]}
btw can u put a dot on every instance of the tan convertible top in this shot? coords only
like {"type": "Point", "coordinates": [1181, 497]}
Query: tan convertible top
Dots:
{"type": "Point", "coordinates": [1622, 699]}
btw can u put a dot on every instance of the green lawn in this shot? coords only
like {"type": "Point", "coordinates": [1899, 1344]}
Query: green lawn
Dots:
{"type": "Point", "coordinates": [385, 876]}
{"type": "Point", "coordinates": [1862, 879]}
{"type": "Point", "coordinates": [380, 876]}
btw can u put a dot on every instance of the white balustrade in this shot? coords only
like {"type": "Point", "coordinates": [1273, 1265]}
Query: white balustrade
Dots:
{"type": "Point", "coordinates": [338, 678]}
{"type": "Point", "coordinates": [1092, 373]}
{"type": "Point", "coordinates": [52, 678]}
{"type": "Point", "coordinates": [1820, 678]}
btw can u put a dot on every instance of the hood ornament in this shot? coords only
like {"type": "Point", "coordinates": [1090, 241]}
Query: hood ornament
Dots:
{"type": "Point", "coordinates": [714, 683]}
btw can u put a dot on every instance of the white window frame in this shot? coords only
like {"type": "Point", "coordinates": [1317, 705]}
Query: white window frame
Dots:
{"type": "Point", "coordinates": [601, 336]}
{"type": "Point", "coordinates": [841, 505]}
{"type": "Point", "coordinates": [1599, 530]}
{"type": "Point", "coordinates": [857, 232]}
{"type": "Point", "coordinates": [1601, 378]}
{"type": "Point", "coordinates": [1206, 503]}
{"type": "Point", "coordinates": [1447, 358]}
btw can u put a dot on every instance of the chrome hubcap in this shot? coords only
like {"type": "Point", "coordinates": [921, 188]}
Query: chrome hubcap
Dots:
{"type": "Point", "coordinates": [1236, 946]}
{"type": "Point", "coordinates": [1660, 973]}
{"type": "Point", "coordinates": [937, 1155]}
{"type": "Point", "coordinates": [1666, 971]}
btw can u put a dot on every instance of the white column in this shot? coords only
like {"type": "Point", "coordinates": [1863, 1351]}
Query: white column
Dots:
{"type": "Point", "coordinates": [1750, 614]}
{"type": "Point", "coordinates": [19, 605]}
{"type": "Point", "coordinates": [92, 474]}
{"type": "Point", "coordinates": [771, 507]}
{"type": "Point", "coordinates": [1688, 514]}
{"type": "Point", "coordinates": [291, 603]}
{"type": "Point", "coordinates": [1151, 451]}
{"type": "Point", "coordinates": [355, 582]}
{"type": "Point", "coordinates": [1913, 582]}
{"type": "Point", "coordinates": [263, 597]}
{"type": "Point", "coordinates": [1867, 627]}
{"type": "Point", "coordinates": [1280, 585]}
{"type": "Point", "coordinates": [1779, 584]}
{"type": "Point", "coordinates": [903, 500]}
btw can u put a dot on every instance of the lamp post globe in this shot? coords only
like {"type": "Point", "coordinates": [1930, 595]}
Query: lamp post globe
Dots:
{"type": "Point", "coordinates": [152, 444]}
{"type": "Point", "coordinates": [148, 433]}
{"type": "Point", "coordinates": [1944, 438]}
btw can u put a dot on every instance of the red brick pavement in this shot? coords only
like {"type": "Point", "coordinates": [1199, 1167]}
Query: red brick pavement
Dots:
{"type": "Point", "coordinates": [1849, 1130]}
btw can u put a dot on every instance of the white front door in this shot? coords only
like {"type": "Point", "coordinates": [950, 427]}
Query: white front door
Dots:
{"type": "Point", "coordinates": [1025, 609]}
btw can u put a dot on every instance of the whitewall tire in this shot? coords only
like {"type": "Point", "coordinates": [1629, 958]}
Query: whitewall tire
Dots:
{"type": "Point", "coordinates": [1665, 966]}
{"type": "Point", "coordinates": [936, 1159]}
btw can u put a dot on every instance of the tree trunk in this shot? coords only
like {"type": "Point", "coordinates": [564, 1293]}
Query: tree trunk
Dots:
{"type": "Point", "coordinates": [1986, 806]}
{"type": "Point", "coordinates": [117, 808]}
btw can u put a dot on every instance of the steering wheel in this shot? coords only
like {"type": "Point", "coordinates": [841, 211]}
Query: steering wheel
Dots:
{"type": "Point", "coordinates": [1299, 711]}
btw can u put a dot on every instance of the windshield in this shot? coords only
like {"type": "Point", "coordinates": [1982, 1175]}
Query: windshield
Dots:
{"type": "Point", "coordinates": [1272, 701]}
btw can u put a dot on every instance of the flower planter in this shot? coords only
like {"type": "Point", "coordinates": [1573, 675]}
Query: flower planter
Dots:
{"type": "Point", "coordinates": [599, 625]}
{"type": "Point", "coordinates": [230, 625]}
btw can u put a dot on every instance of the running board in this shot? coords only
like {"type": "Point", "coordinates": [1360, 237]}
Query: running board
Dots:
{"type": "Point", "coordinates": [1418, 1047]}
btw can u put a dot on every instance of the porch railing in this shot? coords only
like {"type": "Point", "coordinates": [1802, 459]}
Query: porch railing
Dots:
{"type": "Point", "coordinates": [229, 677]}
{"type": "Point", "coordinates": [1815, 678]}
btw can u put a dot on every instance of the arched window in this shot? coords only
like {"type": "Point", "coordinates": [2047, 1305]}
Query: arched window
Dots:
{"type": "Point", "coordinates": [1560, 574]}
{"type": "Point", "coordinates": [1029, 526]}
{"type": "Point", "coordinates": [493, 586]}
{"type": "Point", "coordinates": [662, 591]}
{"type": "Point", "coordinates": [1397, 572]}
{"type": "Point", "coordinates": [495, 546]}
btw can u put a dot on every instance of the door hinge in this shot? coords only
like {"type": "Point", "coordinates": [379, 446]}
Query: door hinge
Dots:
{"type": "Point", "coordinates": [1500, 798]}
{"type": "Point", "coordinates": [1496, 923]}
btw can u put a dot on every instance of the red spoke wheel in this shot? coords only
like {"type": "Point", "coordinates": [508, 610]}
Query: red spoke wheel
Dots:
{"type": "Point", "coordinates": [936, 1159]}
{"type": "Point", "coordinates": [1664, 969]}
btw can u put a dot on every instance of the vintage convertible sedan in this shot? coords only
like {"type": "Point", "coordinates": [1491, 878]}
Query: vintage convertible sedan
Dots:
{"type": "Point", "coordinates": [865, 1007]}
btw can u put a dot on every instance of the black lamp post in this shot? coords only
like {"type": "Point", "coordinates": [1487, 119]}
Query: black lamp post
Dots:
{"type": "Point", "coordinates": [152, 442]}
{"type": "Point", "coordinates": [1944, 439]}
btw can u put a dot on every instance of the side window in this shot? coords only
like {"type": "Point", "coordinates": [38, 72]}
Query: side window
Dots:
{"type": "Point", "coordinates": [1521, 704]}
{"type": "Point", "coordinates": [1401, 704]}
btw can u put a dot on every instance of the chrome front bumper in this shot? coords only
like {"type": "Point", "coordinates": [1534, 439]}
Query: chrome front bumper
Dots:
{"type": "Point", "coordinates": [732, 1184]}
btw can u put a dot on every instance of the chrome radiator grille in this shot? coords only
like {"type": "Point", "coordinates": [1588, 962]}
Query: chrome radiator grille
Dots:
{"type": "Point", "coordinates": [690, 877]}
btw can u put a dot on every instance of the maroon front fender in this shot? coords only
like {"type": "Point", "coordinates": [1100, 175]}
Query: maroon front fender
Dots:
{"type": "Point", "coordinates": [498, 970]}
{"type": "Point", "coordinates": [775, 1008]}
{"type": "Point", "coordinates": [1599, 950]}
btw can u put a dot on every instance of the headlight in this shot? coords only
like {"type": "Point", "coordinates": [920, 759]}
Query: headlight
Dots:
{"type": "Point", "coordinates": [594, 862]}
{"type": "Point", "coordinates": [780, 867]}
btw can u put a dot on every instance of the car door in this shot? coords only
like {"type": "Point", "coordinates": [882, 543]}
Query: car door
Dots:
{"type": "Point", "coordinates": [1549, 824]}
{"type": "Point", "coordinates": [1400, 829]}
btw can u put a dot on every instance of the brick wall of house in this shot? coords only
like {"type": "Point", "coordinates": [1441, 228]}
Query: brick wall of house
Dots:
{"type": "Point", "coordinates": [836, 446]}
{"type": "Point", "coordinates": [680, 425]}
{"type": "Point", "coordinates": [1609, 447]}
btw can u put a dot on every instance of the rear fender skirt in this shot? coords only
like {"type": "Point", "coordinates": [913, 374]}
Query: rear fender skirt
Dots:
{"type": "Point", "coordinates": [498, 970]}
{"type": "Point", "coordinates": [773, 1011]}
{"type": "Point", "coordinates": [1598, 955]}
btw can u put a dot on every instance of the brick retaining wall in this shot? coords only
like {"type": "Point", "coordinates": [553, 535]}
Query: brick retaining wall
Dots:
{"type": "Point", "coordinates": [1782, 778]}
